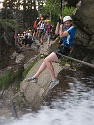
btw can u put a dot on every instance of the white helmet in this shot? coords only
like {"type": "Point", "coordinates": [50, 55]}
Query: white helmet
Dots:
{"type": "Point", "coordinates": [66, 18]}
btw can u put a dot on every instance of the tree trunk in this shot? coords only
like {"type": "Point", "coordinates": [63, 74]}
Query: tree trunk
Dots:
{"type": "Point", "coordinates": [0, 51]}
{"type": "Point", "coordinates": [16, 21]}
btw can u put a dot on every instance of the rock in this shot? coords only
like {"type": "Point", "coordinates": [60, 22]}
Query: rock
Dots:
{"type": "Point", "coordinates": [30, 61]}
{"type": "Point", "coordinates": [14, 55]}
{"type": "Point", "coordinates": [92, 61]}
{"type": "Point", "coordinates": [81, 38]}
{"type": "Point", "coordinates": [77, 7]}
{"type": "Point", "coordinates": [67, 65]}
{"type": "Point", "coordinates": [10, 68]}
{"type": "Point", "coordinates": [33, 92]}
{"type": "Point", "coordinates": [19, 58]}
{"type": "Point", "coordinates": [85, 18]}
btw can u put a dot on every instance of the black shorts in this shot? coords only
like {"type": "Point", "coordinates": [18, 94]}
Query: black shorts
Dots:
{"type": "Point", "coordinates": [41, 33]}
{"type": "Point", "coordinates": [35, 29]}
{"type": "Point", "coordinates": [62, 50]}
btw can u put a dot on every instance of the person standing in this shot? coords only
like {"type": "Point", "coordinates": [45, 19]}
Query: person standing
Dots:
{"type": "Point", "coordinates": [48, 32]}
{"type": "Point", "coordinates": [41, 28]}
{"type": "Point", "coordinates": [35, 28]}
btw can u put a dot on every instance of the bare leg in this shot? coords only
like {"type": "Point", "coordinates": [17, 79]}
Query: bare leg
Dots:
{"type": "Point", "coordinates": [40, 70]}
{"type": "Point", "coordinates": [48, 61]}
{"type": "Point", "coordinates": [48, 41]}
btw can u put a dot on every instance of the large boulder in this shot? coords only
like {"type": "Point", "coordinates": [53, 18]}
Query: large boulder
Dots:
{"type": "Point", "coordinates": [33, 92]}
{"type": "Point", "coordinates": [84, 16]}
{"type": "Point", "coordinates": [84, 20]}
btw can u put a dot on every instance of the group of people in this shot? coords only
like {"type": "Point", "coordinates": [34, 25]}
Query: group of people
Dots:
{"type": "Point", "coordinates": [41, 28]}
{"type": "Point", "coordinates": [24, 39]}
{"type": "Point", "coordinates": [66, 32]}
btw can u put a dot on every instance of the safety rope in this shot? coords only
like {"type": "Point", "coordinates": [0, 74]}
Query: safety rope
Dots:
{"type": "Point", "coordinates": [85, 63]}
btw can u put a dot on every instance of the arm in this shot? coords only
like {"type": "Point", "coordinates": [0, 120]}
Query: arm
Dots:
{"type": "Point", "coordinates": [62, 33]}
{"type": "Point", "coordinates": [39, 23]}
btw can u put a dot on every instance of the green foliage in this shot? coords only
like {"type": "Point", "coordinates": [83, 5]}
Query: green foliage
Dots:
{"type": "Point", "coordinates": [51, 9]}
{"type": "Point", "coordinates": [6, 79]}
{"type": "Point", "coordinates": [63, 61]}
{"type": "Point", "coordinates": [10, 77]}
{"type": "Point", "coordinates": [68, 11]}
{"type": "Point", "coordinates": [8, 23]}
{"type": "Point", "coordinates": [28, 69]}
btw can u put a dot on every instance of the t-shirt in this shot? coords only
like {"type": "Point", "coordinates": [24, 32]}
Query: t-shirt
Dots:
{"type": "Point", "coordinates": [48, 28]}
{"type": "Point", "coordinates": [41, 25]}
{"type": "Point", "coordinates": [68, 40]}
{"type": "Point", "coordinates": [35, 24]}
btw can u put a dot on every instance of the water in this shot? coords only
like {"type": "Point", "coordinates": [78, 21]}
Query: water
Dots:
{"type": "Point", "coordinates": [69, 103]}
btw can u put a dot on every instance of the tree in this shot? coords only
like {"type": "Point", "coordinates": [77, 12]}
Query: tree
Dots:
{"type": "Point", "coordinates": [52, 8]}
{"type": "Point", "coordinates": [72, 3]}
{"type": "Point", "coordinates": [17, 7]}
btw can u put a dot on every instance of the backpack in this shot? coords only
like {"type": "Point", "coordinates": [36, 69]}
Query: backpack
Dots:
{"type": "Point", "coordinates": [35, 24]}
{"type": "Point", "coordinates": [48, 29]}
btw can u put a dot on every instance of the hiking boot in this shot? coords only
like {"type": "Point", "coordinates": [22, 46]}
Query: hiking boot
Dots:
{"type": "Point", "coordinates": [32, 79]}
{"type": "Point", "coordinates": [53, 83]}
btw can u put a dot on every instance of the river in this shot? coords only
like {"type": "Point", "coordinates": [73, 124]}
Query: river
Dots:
{"type": "Point", "coordinates": [70, 103]}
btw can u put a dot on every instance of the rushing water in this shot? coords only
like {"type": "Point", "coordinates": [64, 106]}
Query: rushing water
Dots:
{"type": "Point", "coordinates": [69, 103]}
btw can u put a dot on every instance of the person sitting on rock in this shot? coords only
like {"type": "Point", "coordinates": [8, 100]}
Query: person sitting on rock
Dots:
{"type": "Point", "coordinates": [67, 33]}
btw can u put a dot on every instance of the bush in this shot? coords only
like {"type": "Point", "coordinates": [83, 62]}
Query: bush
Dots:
{"type": "Point", "coordinates": [10, 77]}
{"type": "Point", "coordinates": [6, 79]}
{"type": "Point", "coordinates": [67, 11]}
{"type": "Point", "coordinates": [27, 69]}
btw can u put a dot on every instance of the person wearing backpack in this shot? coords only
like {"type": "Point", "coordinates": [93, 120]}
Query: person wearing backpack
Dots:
{"type": "Point", "coordinates": [35, 28]}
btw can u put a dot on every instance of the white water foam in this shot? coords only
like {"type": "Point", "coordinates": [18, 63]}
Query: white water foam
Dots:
{"type": "Point", "coordinates": [73, 108]}
{"type": "Point", "coordinates": [73, 114]}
